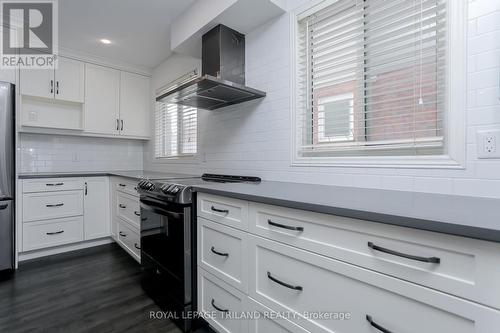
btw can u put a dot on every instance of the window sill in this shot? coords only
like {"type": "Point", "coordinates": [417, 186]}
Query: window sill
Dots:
{"type": "Point", "coordinates": [407, 162]}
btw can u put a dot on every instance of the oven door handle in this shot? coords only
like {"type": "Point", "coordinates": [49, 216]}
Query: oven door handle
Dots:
{"type": "Point", "coordinates": [151, 206]}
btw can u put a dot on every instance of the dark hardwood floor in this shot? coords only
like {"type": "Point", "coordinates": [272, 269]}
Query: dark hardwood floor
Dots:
{"type": "Point", "coordinates": [92, 290]}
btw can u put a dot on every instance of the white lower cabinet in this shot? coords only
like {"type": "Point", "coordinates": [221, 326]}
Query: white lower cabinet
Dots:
{"type": "Point", "coordinates": [229, 310]}
{"type": "Point", "coordinates": [456, 265]}
{"type": "Point", "coordinates": [328, 274]}
{"type": "Point", "coordinates": [289, 279]}
{"type": "Point", "coordinates": [96, 208]}
{"type": "Point", "coordinates": [63, 211]}
{"type": "Point", "coordinates": [52, 185]}
{"type": "Point", "coordinates": [51, 205]}
{"type": "Point", "coordinates": [48, 233]}
{"type": "Point", "coordinates": [128, 208]}
{"type": "Point", "coordinates": [129, 239]}
{"type": "Point", "coordinates": [220, 302]}
{"type": "Point", "coordinates": [222, 251]}
{"type": "Point", "coordinates": [228, 211]}
{"type": "Point", "coordinates": [265, 320]}
{"type": "Point", "coordinates": [126, 215]}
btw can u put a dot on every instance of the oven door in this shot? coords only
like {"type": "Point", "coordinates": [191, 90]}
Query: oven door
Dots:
{"type": "Point", "coordinates": [166, 253]}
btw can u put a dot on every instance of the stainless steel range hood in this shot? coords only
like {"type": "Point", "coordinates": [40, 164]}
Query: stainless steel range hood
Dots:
{"type": "Point", "coordinates": [222, 82]}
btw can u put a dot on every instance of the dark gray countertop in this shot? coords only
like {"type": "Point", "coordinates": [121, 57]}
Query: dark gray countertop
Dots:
{"type": "Point", "coordinates": [133, 174]}
{"type": "Point", "coordinates": [473, 217]}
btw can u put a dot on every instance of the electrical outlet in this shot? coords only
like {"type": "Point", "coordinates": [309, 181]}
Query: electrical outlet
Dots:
{"type": "Point", "coordinates": [487, 144]}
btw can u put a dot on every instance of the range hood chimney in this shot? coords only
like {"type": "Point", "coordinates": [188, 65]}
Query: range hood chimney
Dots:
{"type": "Point", "coordinates": [222, 82]}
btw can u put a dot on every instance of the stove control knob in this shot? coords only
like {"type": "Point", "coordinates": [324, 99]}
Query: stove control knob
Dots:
{"type": "Point", "coordinates": [175, 189]}
{"type": "Point", "coordinates": [164, 189]}
{"type": "Point", "coordinates": [150, 186]}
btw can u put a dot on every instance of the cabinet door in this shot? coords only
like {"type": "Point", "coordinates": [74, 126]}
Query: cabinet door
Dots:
{"type": "Point", "coordinates": [113, 192]}
{"type": "Point", "coordinates": [102, 99]}
{"type": "Point", "coordinates": [134, 105]}
{"type": "Point", "coordinates": [69, 79]}
{"type": "Point", "coordinates": [37, 82]}
{"type": "Point", "coordinates": [96, 222]}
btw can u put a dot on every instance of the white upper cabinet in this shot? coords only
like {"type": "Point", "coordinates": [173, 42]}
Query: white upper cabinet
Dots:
{"type": "Point", "coordinates": [92, 99]}
{"type": "Point", "coordinates": [134, 105]}
{"type": "Point", "coordinates": [102, 100]}
{"type": "Point", "coordinates": [96, 223]}
{"type": "Point", "coordinates": [37, 82]}
{"type": "Point", "coordinates": [66, 83]}
{"type": "Point", "coordinates": [69, 80]}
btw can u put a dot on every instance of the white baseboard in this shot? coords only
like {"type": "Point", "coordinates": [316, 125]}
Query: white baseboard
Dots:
{"type": "Point", "coordinates": [64, 248]}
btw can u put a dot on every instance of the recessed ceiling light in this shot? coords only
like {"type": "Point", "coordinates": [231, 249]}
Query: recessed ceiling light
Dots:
{"type": "Point", "coordinates": [105, 41]}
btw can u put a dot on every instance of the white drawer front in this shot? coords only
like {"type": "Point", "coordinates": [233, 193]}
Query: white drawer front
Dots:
{"type": "Point", "coordinates": [129, 238]}
{"type": "Point", "coordinates": [50, 205]}
{"type": "Point", "coordinates": [218, 300]}
{"type": "Point", "coordinates": [52, 184]}
{"type": "Point", "coordinates": [465, 265]}
{"type": "Point", "coordinates": [41, 234]}
{"type": "Point", "coordinates": [331, 285]}
{"type": "Point", "coordinates": [222, 252]}
{"type": "Point", "coordinates": [128, 208]}
{"type": "Point", "coordinates": [268, 321]}
{"type": "Point", "coordinates": [127, 186]}
{"type": "Point", "coordinates": [224, 210]}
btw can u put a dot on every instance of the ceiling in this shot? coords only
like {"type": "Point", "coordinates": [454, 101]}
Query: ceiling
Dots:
{"type": "Point", "coordinates": [138, 29]}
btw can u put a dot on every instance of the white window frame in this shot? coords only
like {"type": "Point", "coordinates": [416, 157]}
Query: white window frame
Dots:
{"type": "Point", "coordinates": [179, 155]}
{"type": "Point", "coordinates": [456, 76]}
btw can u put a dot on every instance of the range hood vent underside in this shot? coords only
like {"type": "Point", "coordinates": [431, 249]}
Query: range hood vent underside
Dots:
{"type": "Point", "coordinates": [210, 93]}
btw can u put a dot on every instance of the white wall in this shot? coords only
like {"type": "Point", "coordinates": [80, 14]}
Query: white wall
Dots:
{"type": "Point", "coordinates": [53, 153]}
{"type": "Point", "coordinates": [254, 139]}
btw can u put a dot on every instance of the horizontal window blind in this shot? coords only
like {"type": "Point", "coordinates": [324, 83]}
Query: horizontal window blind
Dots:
{"type": "Point", "coordinates": [175, 130]}
{"type": "Point", "coordinates": [371, 78]}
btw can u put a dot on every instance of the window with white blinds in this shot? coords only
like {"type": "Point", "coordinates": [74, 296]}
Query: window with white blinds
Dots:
{"type": "Point", "coordinates": [175, 130]}
{"type": "Point", "coordinates": [370, 78]}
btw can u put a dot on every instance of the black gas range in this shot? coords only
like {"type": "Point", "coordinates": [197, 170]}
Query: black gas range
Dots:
{"type": "Point", "coordinates": [179, 190]}
{"type": "Point", "coordinates": [168, 242]}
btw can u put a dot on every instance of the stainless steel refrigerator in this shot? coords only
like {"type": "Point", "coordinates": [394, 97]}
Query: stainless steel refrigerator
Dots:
{"type": "Point", "coordinates": [7, 175]}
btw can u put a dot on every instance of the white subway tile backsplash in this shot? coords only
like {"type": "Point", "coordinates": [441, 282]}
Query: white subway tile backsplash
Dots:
{"type": "Point", "coordinates": [483, 79]}
{"type": "Point", "coordinates": [484, 116]}
{"type": "Point", "coordinates": [488, 96]}
{"type": "Point", "coordinates": [484, 42]}
{"type": "Point", "coordinates": [477, 187]}
{"type": "Point", "coordinates": [489, 59]}
{"type": "Point", "coordinates": [479, 8]}
{"type": "Point", "coordinates": [53, 153]}
{"type": "Point", "coordinates": [488, 23]}
{"type": "Point", "coordinates": [398, 183]}
{"type": "Point", "coordinates": [433, 185]}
